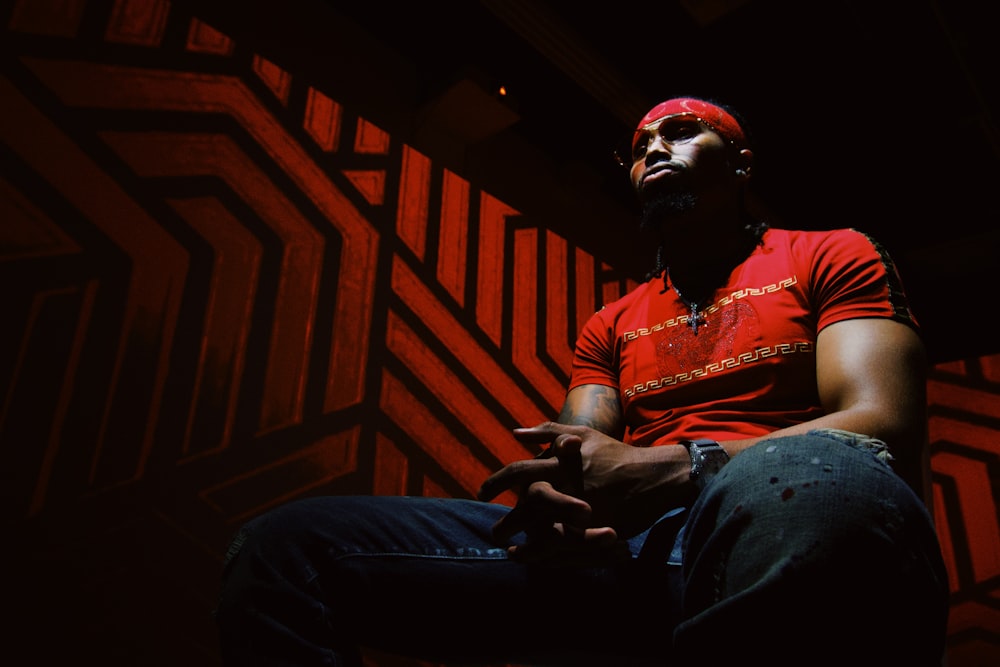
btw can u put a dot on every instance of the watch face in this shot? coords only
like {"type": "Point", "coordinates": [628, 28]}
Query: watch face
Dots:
{"type": "Point", "coordinates": [707, 459]}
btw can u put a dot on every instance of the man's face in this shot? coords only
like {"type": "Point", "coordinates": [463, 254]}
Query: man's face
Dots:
{"type": "Point", "coordinates": [678, 155]}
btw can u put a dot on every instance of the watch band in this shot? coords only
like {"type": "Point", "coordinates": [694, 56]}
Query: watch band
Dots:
{"type": "Point", "coordinates": [707, 459]}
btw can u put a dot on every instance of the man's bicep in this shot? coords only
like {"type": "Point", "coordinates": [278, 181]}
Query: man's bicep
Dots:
{"type": "Point", "coordinates": [875, 361]}
{"type": "Point", "coordinates": [595, 405]}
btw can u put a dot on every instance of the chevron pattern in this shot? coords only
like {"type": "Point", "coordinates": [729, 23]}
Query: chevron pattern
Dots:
{"type": "Point", "coordinates": [224, 289]}
{"type": "Point", "coordinates": [964, 402]}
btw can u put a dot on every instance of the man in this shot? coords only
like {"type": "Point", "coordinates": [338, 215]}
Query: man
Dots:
{"type": "Point", "coordinates": [718, 488]}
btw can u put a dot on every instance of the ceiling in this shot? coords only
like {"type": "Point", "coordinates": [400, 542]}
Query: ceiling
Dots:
{"type": "Point", "coordinates": [875, 114]}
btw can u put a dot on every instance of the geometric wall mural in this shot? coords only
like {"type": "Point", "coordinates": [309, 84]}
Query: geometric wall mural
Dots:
{"type": "Point", "coordinates": [223, 288]}
{"type": "Point", "coordinates": [964, 402]}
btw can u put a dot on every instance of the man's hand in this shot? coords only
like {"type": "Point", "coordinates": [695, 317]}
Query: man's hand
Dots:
{"type": "Point", "coordinates": [556, 522]}
{"type": "Point", "coordinates": [579, 496]}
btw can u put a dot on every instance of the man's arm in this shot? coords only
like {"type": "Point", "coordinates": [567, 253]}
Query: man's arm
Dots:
{"type": "Point", "coordinates": [596, 406]}
{"type": "Point", "coordinates": [872, 379]}
{"type": "Point", "coordinates": [872, 376]}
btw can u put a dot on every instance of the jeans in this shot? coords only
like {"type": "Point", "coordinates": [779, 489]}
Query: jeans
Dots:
{"type": "Point", "coordinates": [803, 550]}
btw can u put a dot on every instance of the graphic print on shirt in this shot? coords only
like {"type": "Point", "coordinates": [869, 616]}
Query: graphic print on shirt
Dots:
{"type": "Point", "coordinates": [727, 332]}
{"type": "Point", "coordinates": [733, 335]}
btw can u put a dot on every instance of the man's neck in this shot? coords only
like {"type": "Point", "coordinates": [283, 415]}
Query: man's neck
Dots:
{"type": "Point", "coordinates": [701, 259]}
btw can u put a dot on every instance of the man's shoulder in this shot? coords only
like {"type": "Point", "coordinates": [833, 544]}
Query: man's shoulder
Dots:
{"type": "Point", "coordinates": [644, 290]}
{"type": "Point", "coordinates": [811, 235]}
{"type": "Point", "coordinates": [811, 241]}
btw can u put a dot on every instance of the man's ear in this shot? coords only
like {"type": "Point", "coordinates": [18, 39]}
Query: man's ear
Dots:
{"type": "Point", "coordinates": [744, 162]}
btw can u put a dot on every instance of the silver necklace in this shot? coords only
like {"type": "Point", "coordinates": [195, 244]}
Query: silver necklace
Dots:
{"type": "Point", "coordinates": [696, 318]}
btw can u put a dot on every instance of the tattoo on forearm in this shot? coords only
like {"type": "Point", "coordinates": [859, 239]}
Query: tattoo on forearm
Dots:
{"type": "Point", "coordinates": [598, 408]}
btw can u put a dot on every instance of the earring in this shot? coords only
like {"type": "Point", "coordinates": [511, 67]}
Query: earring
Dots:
{"type": "Point", "coordinates": [741, 172]}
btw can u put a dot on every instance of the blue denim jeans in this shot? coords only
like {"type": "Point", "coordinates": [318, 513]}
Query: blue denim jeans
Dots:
{"type": "Point", "coordinates": [804, 550]}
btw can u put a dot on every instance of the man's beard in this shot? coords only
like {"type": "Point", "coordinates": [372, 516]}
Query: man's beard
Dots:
{"type": "Point", "coordinates": [661, 206]}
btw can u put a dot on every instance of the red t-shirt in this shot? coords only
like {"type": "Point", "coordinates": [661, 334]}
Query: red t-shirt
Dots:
{"type": "Point", "coordinates": [751, 367]}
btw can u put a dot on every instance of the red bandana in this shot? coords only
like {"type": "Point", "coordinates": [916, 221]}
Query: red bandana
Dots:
{"type": "Point", "coordinates": [715, 117]}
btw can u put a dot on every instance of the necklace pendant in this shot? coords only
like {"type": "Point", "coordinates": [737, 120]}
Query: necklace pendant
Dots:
{"type": "Point", "coordinates": [696, 319]}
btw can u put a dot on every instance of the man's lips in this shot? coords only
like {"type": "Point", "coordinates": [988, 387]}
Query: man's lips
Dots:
{"type": "Point", "coordinates": [658, 171]}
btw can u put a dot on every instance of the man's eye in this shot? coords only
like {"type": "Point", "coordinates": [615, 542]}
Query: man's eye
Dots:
{"type": "Point", "coordinates": [639, 149]}
{"type": "Point", "coordinates": [671, 133]}
{"type": "Point", "coordinates": [679, 132]}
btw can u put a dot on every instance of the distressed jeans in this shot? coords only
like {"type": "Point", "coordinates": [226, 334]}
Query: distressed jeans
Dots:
{"type": "Point", "coordinates": [804, 550]}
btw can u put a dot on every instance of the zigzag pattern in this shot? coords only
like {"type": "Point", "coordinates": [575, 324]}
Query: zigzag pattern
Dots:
{"type": "Point", "coordinates": [215, 286]}
{"type": "Point", "coordinates": [964, 404]}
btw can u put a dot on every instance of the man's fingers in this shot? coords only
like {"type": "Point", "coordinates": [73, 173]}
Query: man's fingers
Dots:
{"type": "Point", "coordinates": [544, 432]}
{"type": "Point", "coordinates": [567, 452]}
{"type": "Point", "coordinates": [518, 474]}
{"type": "Point", "coordinates": [560, 463]}
{"type": "Point", "coordinates": [540, 507]}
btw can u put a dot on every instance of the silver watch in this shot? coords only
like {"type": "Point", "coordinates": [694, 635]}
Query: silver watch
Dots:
{"type": "Point", "coordinates": [707, 459]}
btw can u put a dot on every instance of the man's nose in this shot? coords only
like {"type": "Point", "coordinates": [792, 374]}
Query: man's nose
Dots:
{"type": "Point", "coordinates": [655, 145]}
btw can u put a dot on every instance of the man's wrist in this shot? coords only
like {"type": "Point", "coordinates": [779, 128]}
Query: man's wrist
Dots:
{"type": "Point", "coordinates": [707, 459]}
